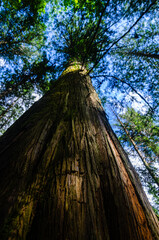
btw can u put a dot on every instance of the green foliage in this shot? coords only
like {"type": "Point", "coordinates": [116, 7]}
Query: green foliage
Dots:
{"type": "Point", "coordinates": [144, 132]}
{"type": "Point", "coordinates": [92, 7]}
{"type": "Point", "coordinates": [35, 7]}
{"type": "Point", "coordinates": [155, 192]}
{"type": "Point", "coordinates": [87, 48]}
{"type": "Point", "coordinates": [135, 59]}
{"type": "Point", "coordinates": [21, 39]}
{"type": "Point", "coordinates": [20, 35]}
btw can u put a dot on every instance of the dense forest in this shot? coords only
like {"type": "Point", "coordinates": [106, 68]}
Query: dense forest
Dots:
{"type": "Point", "coordinates": [72, 70]}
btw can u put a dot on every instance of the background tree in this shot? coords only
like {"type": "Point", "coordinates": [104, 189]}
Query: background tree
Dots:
{"type": "Point", "coordinates": [137, 132]}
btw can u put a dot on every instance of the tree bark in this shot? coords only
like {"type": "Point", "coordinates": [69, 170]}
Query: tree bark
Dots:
{"type": "Point", "coordinates": [142, 54]}
{"type": "Point", "coordinates": [64, 175]}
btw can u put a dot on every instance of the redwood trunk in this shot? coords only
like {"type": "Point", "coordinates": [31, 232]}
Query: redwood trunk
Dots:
{"type": "Point", "coordinates": [64, 175]}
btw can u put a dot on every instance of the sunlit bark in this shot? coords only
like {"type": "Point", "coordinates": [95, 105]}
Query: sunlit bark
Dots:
{"type": "Point", "coordinates": [64, 175]}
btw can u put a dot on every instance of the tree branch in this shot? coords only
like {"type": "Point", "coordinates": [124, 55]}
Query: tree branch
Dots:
{"type": "Point", "coordinates": [96, 30]}
{"type": "Point", "coordinates": [141, 54]}
{"type": "Point", "coordinates": [122, 35]}
{"type": "Point", "coordinates": [122, 80]}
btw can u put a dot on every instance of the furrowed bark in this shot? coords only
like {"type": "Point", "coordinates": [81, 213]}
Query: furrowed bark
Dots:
{"type": "Point", "coordinates": [64, 175]}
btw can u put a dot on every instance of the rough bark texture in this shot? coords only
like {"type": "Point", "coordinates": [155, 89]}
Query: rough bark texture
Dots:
{"type": "Point", "coordinates": [64, 175]}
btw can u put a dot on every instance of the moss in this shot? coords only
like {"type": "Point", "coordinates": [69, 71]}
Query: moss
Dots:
{"type": "Point", "coordinates": [18, 222]}
{"type": "Point", "coordinates": [75, 66]}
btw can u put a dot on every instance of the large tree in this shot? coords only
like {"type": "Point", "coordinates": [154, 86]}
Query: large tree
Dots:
{"type": "Point", "coordinates": [63, 173]}
{"type": "Point", "coordinates": [65, 176]}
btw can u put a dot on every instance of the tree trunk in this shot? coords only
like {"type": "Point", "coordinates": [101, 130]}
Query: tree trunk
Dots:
{"type": "Point", "coordinates": [64, 175]}
{"type": "Point", "coordinates": [142, 54]}
{"type": "Point", "coordinates": [143, 159]}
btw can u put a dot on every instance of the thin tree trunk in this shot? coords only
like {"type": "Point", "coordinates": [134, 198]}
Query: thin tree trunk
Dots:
{"type": "Point", "coordinates": [138, 151]}
{"type": "Point", "coordinates": [142, 54]}
{"type": "Point", "coordinates": [9, 107]}
{"type": "Point", "coordinates": [64, 175]}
